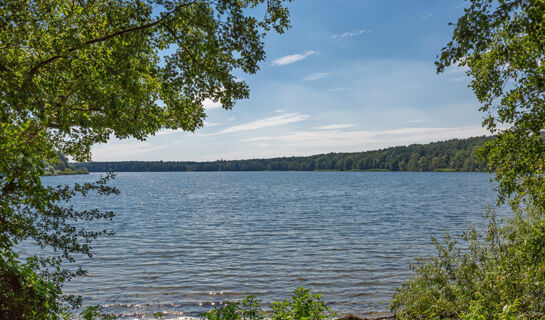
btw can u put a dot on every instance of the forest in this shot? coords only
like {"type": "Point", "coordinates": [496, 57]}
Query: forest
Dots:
{"type": "Point", "coordinates": [451, 155]}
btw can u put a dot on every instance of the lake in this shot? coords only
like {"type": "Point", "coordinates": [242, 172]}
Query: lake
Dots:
{"type": "Point", "coordinates": [185, 241]}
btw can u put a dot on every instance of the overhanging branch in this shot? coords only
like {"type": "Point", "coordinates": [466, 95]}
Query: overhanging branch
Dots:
{"type": "Point", "coordinates": [43, 63]}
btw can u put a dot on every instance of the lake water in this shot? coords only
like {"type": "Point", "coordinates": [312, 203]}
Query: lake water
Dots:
{"type": "Point", "coordinates": [187, 241]}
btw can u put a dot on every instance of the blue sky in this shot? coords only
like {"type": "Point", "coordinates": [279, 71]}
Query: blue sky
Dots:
{"type": "Point", "coordinates": [350, 75]}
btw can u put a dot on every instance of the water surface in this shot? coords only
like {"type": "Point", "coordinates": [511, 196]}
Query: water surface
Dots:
{"type": "Point", "coordinates": [186, 241]}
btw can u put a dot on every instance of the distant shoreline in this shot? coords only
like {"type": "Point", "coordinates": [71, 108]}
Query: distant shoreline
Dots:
{"type": "Point", "coordinates": [355, 171]}
{"type": "Point", "coordinates": [65, 173]}
{"type": "Point", "coordinates": [452, 155]}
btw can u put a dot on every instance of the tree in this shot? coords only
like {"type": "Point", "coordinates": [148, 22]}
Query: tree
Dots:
{"type": "Point", "coordinates": [502, 44]}
{"type": "Point", "coordinates": [498, 275]}
{"type": "Point", "coordinates": [75, 73]}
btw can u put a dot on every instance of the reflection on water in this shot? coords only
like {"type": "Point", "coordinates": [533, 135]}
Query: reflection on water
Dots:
{"type": "Point", "coordinates": [188, 241]}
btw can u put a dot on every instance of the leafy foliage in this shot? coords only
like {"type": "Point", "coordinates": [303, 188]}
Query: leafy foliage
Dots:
{"type": "Point", "coordinates": [75, 73]}
{"type": "Point", "coordinates": [303, 305]}
{"type": "Point", "coordinates": [94, 313]}
{"type": "Point", "coordinates": [452, 155]}
{"type": "Point", "coordinates": [501, 44]}
{"type": "Point", "coordinates": [498, 276]}
{"type": "Point", "coordinates": [24, 294]}
{"type": "Point", "coordinates": [247, 309]}
{"type": "Point", "coordinates": [89, 69]}
{"type": "Point", "coordinates": [501, 276]}
{"type": "Point", "coordinates": [60, 166]}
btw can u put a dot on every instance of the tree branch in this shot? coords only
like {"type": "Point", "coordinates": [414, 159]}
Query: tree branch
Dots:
{"type": "Point", "coordinates": [43, 63]}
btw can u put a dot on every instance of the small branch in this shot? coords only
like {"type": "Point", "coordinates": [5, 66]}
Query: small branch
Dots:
{"type": "Point", "coordinates": [43, 63]}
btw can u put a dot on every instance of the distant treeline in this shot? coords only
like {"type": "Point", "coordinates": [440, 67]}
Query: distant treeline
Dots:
{"type": "Point", "coordinates": [451, 155]}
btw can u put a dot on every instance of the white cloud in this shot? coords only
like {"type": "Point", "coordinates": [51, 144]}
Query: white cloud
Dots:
{"type": "Point", "coordinates": [267, 122]}
{"type": "Point", "coordinates": [210, 104]}
{"type": "Point", "coordinates": [349, 34]}
{"type": "Point", "coordinates": [211, 124]}
{"type": "Point", "coordinates": [334, 126]}
{"type": "Point", "coordinates": [280, 110]}
{"type": "Point", "coordinates": [316, 76]}
{"type": "Point", "coordinates": [293, 58]}
{"type": "Point", "coordinates": [427, 16]}
{"type": "Point", "coordinates": [165, 132]}
{"type": "Point", "coordinates": [337, 89]}
{"type": "Point", "coordinates": [457, 68]}
{"type": "Point", "coordinates": [365, 140]}
{"type": "Point", "coordinates": [127, 150]}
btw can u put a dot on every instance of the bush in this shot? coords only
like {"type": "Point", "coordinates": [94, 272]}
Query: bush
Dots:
{"type": "Point", "coordinates": [303, 306]}
{"type": "Point", "coordinates": [247, 309]}
{"type": "Point", "coordinates": [24, 294]}
{"type": "Point", "coordinates": [500, 275]}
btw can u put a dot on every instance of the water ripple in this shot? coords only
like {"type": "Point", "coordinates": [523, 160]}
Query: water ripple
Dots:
{"type": "Point", "coordinates": [186, 242]}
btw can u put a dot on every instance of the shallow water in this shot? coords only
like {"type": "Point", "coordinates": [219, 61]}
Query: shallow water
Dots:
{"type": "Point", "coordinates": [187, 241]}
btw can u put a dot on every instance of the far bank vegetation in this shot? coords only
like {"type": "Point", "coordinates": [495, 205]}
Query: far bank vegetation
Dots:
{"type": "Point", "coordinates": [451, 155]}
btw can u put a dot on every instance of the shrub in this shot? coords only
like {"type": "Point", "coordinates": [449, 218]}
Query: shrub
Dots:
{"type": "Point", "coordinates": [303, 305]}
{"type": "Point", "coordinates": [500, 275]}
{"type": "Point", "coordinates": [247, 309]}
{"type": "Point", "coordinates": [24, 294]}
{"type": "Point", "coordinates": [94, 313]}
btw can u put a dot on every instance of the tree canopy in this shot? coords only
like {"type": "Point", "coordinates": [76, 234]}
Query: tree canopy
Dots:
{"type": "Point", "coordinates": [75, 73]}
{"type": "Point", "coordinates": [498, 274]}
{"type": "Point", "coordinates": [89, 69]}
{"type": "Point", "coordinates": [501, 44]}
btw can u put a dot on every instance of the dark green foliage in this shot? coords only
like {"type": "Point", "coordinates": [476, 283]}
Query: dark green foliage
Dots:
{"type": "Point", "coordinates": [247, 309]}
{"type": "Point", "coordinates": [75, 73]}
{"type": "Point", "coordinates": [500, 275]}
{"type": "Point", "coordinates": [94, 313]}
{"type": "Point", "coordinates": [303, 305]}
{"type": "Point", "coordinates": [501, 44]}
{"type": "Point", "coordinates": [23, 293]}
{"type": "Point", "coordinates": [60, 166]}
{"type": "Point", "coordinates": [452, 155]}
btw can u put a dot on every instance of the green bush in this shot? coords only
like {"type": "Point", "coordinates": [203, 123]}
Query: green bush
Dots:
{"type": "Point", "coordinates": [247, 309]}
{"type": "Point", "coordinates": [303, 306]}
{"type": "Point", "coordinates": [500, 275]}
{"type": "Point", "coordinates": [24, 294]}
{"type": "Point", "coordinates": [94, 313]}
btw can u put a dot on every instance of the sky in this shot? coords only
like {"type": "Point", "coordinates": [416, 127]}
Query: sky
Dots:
{"type": "Point", "coordinates": [350, 75]}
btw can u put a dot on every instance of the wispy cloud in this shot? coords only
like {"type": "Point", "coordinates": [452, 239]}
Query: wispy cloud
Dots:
{"type": "Point", "coordinates": [211, 124]}
{"type": "Point", "coordinates": [280, 110]}
{"type": "Point", "coordinates": [316, 76]}
{"type": "Point", "coordinates": [267, 122]}
{"type": "Point", "coordinates": [127, 150]}
{"type": "Point", "coordinates": [337, 89]}
{"type": "Point", "coordinates": [334, 126]}
{"type": "Point", "coordinates": [415, 121]}
{"type": "Point", "coordinates": [293, 58]}
{"type": "Point", "coordinates": [349, 34]}
{"type": "Point", "coordinates": [210, 104]}
{"type": "Point", "coordinates": [359, 139]}
{"type": "Point", "coordinates": [427, 16]}
{"type": "Point", "coordinates": [166, 132]}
